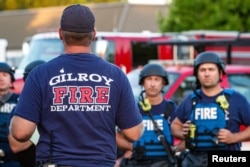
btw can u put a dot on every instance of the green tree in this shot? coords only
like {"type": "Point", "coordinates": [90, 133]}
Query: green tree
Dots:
{"type": "Point", "coordinates": [206, 15]}
{"type": "Point", "coordinates": [27, 4]}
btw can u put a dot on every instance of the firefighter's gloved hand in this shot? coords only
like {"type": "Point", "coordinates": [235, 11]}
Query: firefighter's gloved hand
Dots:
{"type": "Point", "coordinates": [145, 105]}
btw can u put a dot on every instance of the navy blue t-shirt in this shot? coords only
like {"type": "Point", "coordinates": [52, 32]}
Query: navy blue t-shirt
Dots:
{"type": "Point", "coordinates": [77, 100]}
{"type": "Point", "coordinates": [239, 112]}
{"type": "Point", "coordinates": [161, 109]}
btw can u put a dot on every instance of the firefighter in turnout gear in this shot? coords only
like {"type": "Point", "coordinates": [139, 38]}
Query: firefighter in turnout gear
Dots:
{"type": "Point", "coordinates": [155, 145]}
{"type": "Point", "coordinates": [210, 117]}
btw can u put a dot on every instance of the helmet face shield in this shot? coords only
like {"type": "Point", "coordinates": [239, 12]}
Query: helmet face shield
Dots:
{"type": "Point", "coordinates": [153, 69]}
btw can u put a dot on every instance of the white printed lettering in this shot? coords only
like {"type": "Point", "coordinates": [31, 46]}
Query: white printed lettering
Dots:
{"type": "Point", "coordinates": [149, 126]}
{"type": "Point", "coordinates": [206, 113]}
{"type": "Point", "coordinates": [216, 158]}
{"type": "Point", "coordinates": [81, 77]}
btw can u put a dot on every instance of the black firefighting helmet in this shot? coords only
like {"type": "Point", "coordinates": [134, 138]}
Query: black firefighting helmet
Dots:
{"type": "Point", "coordinates": [30, 67]}
{"type": "Point", "coordinates": [4, 67]}
{"type": "Point", "coordinates": [153, 69]}
{"type": "Point", "coordinates": [209, 57]}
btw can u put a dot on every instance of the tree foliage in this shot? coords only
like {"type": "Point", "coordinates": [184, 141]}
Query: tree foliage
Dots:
{"type": "Point", "coordinates": [27, 4]}
{"type": "Point", "coordinates": [206, 15]}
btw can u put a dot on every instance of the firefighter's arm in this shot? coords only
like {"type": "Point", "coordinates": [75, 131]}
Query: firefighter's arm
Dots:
{"type": "Point", "coordinates": [122, 142]}
{"type": "Point", "coordinates": [24, 151]}
{"type": "Point", "coordinates": [21, 129]}
{"type": "Point", "coordinates": [134, 133]}
{"type": "Point", "coordinates": [17, 146]}
{"type": "Point", "coordinates": [181, 146]}
{"type": "Point", "coordinates": [180, 130]}
{"type": "Point", "coordinates": [228, 137]}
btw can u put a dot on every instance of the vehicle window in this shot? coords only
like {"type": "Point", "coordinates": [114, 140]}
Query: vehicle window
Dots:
{"type": "Point", "coordinates": [105, 49]}
{"type": "Point", "coordinates": [172, 77]}
{"type": "Point", "coordinates": [185, 88]}
{"type": "Point", "coordinates": [240, 82]}
{"type": "Point", "coordinates": [133, 78]}
{"type": "Point", "coordinates": [142, 53]}
{"type": "Point", "coordinates": [42, 49]}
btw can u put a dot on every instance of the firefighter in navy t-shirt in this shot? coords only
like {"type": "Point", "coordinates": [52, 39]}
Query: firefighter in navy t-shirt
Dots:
{"type": "Point", "coordinates": [210, 117]}
{"type": "Point", "coordinates": [76, 100]}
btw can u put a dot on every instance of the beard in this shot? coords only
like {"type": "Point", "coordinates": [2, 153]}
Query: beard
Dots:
{"type": "Point", "coordinates": [210, 85]}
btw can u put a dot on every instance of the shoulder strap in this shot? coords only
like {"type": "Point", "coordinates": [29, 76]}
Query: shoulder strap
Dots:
{"type": "Point", "coordinates": [195, 96]}
{"type": "Point", "coordinates": [169, 108]}
{"type": "Point", "coordinates": [228, 92]}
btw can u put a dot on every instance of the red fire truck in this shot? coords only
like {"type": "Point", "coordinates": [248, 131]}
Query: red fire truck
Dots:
{"type": "Point", "coordinates": [232, 46]}
{"type": "Point", "coordinates": [130, 50]}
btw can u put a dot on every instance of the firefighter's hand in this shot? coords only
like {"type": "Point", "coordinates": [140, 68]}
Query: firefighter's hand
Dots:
{"type": "Point", "coordinates": [181, 146]}
{"type": "Point", "coordinates": [186, 128]}
{"type": "Point", "coordinates": [225, 136]}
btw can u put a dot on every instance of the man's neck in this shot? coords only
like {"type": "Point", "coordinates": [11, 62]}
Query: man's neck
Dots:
{"type": "Point", "coordinates": [212, 91]}
{"type": "Point", "coordinates": [155, 100]}
{"type": "Point", "coordinates": [4, 95]}
{"type": "Point", "coordinates": [76, 49]}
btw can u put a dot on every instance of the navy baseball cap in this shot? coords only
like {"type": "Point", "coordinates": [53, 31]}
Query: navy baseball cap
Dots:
{"type": "Point", "coordinates": [77, 18]}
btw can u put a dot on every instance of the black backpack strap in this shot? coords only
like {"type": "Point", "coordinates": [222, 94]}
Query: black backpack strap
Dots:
{"type": "Point", "coordinates": [170, 106]}
{"type": "Point", "coordinates": [161, 137]}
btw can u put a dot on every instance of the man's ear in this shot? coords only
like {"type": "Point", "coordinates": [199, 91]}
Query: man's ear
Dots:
{"type": "Point", "coordinates": [221, 75]}
{"type": "Point", "coordinates": [94, 34]}
{"type": "Point", "coordinates": [60, 33]}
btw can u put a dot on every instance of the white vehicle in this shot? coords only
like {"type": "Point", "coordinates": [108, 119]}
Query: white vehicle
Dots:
{"type": "Point", "coordinates": [42, 46]}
